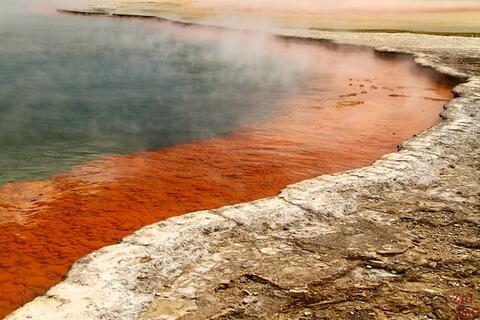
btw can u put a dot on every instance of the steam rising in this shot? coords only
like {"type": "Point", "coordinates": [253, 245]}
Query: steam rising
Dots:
{"type": "Point", "coordinates": [74, 88]}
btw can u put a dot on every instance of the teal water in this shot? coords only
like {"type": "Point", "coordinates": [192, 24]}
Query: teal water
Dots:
{"type": "Point", "coordinates": [74, 88]}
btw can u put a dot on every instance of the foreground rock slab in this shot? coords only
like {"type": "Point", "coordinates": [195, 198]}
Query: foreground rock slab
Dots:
{"type": "Point", "coordinates": [396, 240]}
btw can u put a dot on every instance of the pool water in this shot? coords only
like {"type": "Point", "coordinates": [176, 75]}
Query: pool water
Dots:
{"type": "Point", "coordinates": [73, 88]}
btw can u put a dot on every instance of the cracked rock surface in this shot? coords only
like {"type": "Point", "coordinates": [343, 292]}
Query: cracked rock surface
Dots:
{"type": "Point", "coordinates": [399, 239]}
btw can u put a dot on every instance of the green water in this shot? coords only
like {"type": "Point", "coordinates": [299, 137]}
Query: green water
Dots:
{"type": "Point", "coordinates": [75, 88]}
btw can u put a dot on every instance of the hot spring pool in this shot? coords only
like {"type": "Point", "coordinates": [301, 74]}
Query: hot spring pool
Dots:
{"type": "Point", "coordinates": [107, 125]}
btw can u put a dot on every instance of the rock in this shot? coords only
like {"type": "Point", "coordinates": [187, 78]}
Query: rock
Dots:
{"type": "Point", "coordinates": [250, 300]}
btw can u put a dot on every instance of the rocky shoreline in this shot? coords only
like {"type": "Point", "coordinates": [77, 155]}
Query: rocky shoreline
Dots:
{"type": "Point", "coordinates": [396, 240]}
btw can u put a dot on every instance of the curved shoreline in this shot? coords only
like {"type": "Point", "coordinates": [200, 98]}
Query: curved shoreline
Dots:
{"type": "Point", "coordinates": [167, 268]}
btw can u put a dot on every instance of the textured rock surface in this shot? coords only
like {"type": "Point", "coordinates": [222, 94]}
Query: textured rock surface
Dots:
{"type": "Point", "coordinates": [398, 239]}
{"type": "Point", "coordinates": [447, 53]}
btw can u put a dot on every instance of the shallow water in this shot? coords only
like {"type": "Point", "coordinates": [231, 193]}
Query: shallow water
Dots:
{"type": "Point", "coordinates": [133, 122]}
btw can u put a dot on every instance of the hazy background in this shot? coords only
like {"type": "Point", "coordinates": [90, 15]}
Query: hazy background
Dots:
{"type": "Point", "coordinates": [430, 16]}
{"type": "Point", "coordinates": [328, 5]}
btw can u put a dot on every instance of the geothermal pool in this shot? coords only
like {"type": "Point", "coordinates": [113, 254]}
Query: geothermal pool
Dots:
{"type": "Point", "coordinates": [107, 125]}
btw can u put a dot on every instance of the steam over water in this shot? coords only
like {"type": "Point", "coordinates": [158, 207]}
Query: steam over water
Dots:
{"type": "Point", "coordinates": [73, 88]}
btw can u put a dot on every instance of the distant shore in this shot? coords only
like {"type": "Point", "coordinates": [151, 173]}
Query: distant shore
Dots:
{"type": "Point", "coordinates": [452, 19]}
{"type": "Point", "coordinates": [364, 30]}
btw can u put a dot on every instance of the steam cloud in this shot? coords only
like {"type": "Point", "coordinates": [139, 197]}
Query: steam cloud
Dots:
{"type": "Point", "coordinates": [73, 88]}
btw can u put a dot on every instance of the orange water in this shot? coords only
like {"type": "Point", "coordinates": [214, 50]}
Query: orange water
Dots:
{"type": "Point", "coordinates": [329, 126]}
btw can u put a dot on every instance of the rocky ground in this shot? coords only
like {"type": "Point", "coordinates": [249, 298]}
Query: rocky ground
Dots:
{"type": "Point", "coordinates": [397, 240]}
